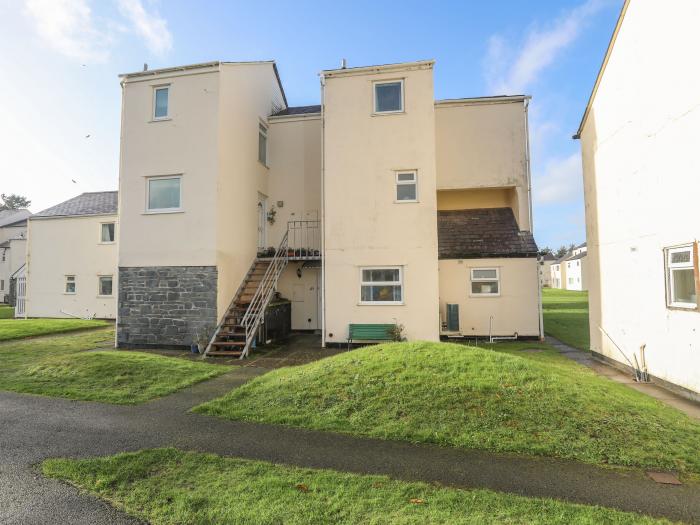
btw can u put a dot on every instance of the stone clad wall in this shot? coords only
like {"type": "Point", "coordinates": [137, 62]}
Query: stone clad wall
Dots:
{"type": "Point", "coordinates": [164, 306]}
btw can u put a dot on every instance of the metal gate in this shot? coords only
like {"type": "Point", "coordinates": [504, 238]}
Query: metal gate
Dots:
{"type": "Point", "coordinates": [20, 305]}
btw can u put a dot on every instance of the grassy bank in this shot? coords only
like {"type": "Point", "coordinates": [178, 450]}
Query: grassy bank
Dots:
{"type": "Point", "coordinates": [566, 316]}
{"type": "Point", "coordinates": [167, 486]}
{"type": "Point", "coordinates": [21, 328]}
{"type": "Point", "coordinates": [512, 401]}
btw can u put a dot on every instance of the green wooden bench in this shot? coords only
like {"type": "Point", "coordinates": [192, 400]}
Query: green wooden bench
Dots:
{"type": "Point", "coordinates": [370, 332]}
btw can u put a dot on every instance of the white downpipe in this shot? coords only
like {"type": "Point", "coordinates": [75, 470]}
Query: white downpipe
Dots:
{"type": "Point", "coordinates": [323, 212]}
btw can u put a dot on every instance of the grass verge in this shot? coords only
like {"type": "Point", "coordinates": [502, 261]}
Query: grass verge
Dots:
{"type": "Point", "coordinates": [461, 396]}
{"type": "Point", "coordinates": [565, 314]}
{"type": "Point", "coordinates": [21, 328]}
{"type": "Point", "coordinates": [6, 312]}
{"type": "Point", "coordinates": [60, 367]}
{"type": "Point", "coordinates": [168, 486]}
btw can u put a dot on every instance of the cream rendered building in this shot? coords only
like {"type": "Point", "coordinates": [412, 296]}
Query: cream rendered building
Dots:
{"type": "Point", "coordinates": [72, 258]}
{"type": "Point", "coordinates": [381, 205]}
{"type": "Point", "coordinates": [640, 166]}
{"type": "Point", "coordinates": [13, 240]}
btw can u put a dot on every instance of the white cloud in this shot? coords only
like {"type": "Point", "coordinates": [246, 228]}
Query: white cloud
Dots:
{"type": "Point", "coordinates": [68, 27]}
{"type": "Point", "coordinates": [560, 182]}
{"type": "Point", "coordinates": [152, 28]}
{"type": "Point", "coordinates": [511, 70]}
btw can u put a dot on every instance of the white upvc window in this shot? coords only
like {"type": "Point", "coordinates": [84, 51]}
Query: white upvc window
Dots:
{"type": "Point", "coordinates": [381, 285]}
{"type": "Point", "coordinates": [70, 284]}
{"type": "Point", "coordinates": [485, 282]}
{"type": "Point", "coordinates": [681, 291]}
{"type": "Point", "coordinates": [104, 287]}
{"type": "Point", "coordinates": [388, 96]}
{"type": "Point", "coordinates": [164, 194]}
{"type": "Point", "coordinates": [107, 232]}
{"type": "Point", "coordinates": [262, 143]}
{"type": "Point", "coordinates": [406, 186]}
{"type": "Point", "coordinates": [161, 102]}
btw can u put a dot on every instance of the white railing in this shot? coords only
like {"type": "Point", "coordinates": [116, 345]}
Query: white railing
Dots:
{"type": "Point", "coordinates": [20, 297]}
{"type": "Point", "coordinates": [304, 237]}
{"type": "Point", "coordinates": [255, 314]}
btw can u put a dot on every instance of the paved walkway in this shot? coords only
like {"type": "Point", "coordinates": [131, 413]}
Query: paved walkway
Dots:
{"type": "Point", "coordinates": [33, 428]}
{"type": "Point", "coordinates": [666, 396]}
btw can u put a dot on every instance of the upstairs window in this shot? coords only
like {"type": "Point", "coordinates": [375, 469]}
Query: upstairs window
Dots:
{"type": "Point", "coordinates": [406, 186]}
{"type": "Point", "coordinates": [381, 286]}
{"type": "Point", "coordinates": [107, 233]}
{"type": "Point", "coordinates": [163, 194]}
{"type": "Point", "coordinates": [262, 144]}
{"type": "Point", "coordinates": [485, 282]}
{"type": "Point", "coordinates": [680, 277]}
{"type": "Point", "coordinates": [388, 97]}
{"type": "Point", "coordinates": [70, 284]}
{"type": "Point", "coordinates": [160, 102]}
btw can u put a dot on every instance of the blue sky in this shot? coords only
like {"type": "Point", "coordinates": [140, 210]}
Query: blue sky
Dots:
{"type": "Point", "coordinates": [61, 96]}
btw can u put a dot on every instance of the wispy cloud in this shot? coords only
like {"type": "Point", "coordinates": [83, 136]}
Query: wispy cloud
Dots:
{"type": "Point", "coordinates": [68, 26]}
{"type": "Point", "coordinates": [560, 181]}
{"type": "Point", "coordinates": [512, 68]}
{"type": "Point", "coordinates": [150, 25]}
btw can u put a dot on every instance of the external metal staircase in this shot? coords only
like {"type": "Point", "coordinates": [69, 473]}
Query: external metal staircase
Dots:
{"type": "Point", "coordinates": [240, 324]}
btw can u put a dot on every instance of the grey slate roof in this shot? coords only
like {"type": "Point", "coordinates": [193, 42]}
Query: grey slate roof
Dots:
{"type": "Point", "coordinates": [94, 203]}
{"type": "Point", "coordinates": [8, 217]}
{"type": "Point", "coordinates": [576, 257]}
{"type": "Point", "coordinates": [482, 233]}
{"type": "Point", "coordinates": [298, 110]}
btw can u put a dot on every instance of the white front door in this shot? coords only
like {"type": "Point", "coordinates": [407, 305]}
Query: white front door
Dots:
{"type": "Point", "coordinates": [262, 219]}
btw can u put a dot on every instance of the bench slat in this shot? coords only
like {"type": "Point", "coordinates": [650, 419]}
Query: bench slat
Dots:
{"type": "Point", "coordinates": [370, 332]}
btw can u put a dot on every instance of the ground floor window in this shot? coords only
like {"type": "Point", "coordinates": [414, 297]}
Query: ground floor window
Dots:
{"type": "Point", "coordinates": [680, 277]}
{"type": "Point", "coordinates": [105, 285]}
{"type": "Point", "coordinates": [70, 284]}
{"type": "Point", "coordinates": [485, 281]}
{"type": "Point", "coordinates": [381, 285]}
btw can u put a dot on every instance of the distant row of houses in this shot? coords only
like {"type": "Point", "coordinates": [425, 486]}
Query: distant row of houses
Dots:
{"type": "Point", "coordinates": [568, 272]}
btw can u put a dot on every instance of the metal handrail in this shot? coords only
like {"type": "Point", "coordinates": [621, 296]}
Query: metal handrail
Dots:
{"type": "Point", "coordinates": [304, 238]}
{"type": "Point", "coordinates": [256, 309]}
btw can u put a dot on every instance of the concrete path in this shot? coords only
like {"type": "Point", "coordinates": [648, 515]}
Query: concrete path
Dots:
{"type": "Point", "coordinates": [666, 396]}
{"type": "Point", "coordinates": [33, 428]}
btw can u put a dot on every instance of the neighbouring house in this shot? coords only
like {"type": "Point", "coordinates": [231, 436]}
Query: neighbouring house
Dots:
{"type": "Point", "coordinates": [71, 266]}
{"type": "Point", "coordinates": [640, 168]}
{"type": "Point", "coordinates": [545, 261]}
{"type": "Point", "coordinates": [381, 205]}
{"type": "Point", "coordinates": [570, 271]}
{"type": "Point", "coordinates": [13, 238]}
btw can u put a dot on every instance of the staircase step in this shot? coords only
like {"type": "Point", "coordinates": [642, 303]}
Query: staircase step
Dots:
{"type": "Point", "coordinates": [228, 343]}
{"type": "Point", "coordinates": [224, 353]}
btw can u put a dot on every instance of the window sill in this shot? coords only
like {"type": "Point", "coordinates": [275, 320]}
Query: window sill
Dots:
{"type": "Point", "coordinates": [164, 119]}
{"type": "Point", "coordinates": [387, 113]}
{"type": "Point", "coordinates": [683, 307]}
{"type": "Point", "coordinates": [381, 303]}
{"type": "Point", "coordinates": [105, 296]}
{"type": "Point", "coordinates": [160, 212]}
{"type": "Point", "coordinates": [69, 293]}
{"type": "Point", "coordinates": [108, 243]}
{"type": "Point", "coordinates": [407, 202]}
{"type": "Point", "coordinates": [482, 295]}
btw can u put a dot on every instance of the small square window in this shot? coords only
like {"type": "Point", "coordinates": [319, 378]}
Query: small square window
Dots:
{"type": "Point", "coordinates": [388, 97]}
{"type": "Point", "coordinates": [70, 284]}
{"type": "Point", "coordinates": [107, 233]}
{"type": "Point", "coordinates": [160, 102]}
{"type": "Point", "coordinates": [381, 285]}
{"type": "Point", "coordinates": [105, 285]}
{"type": "Point", "coordinates": [485, 282]}
{"type": "Point", "coordinates": [164, 193]}
{"type": "Point", "coordinates": [680, 277]}
{"type": "Point", "coordinates": [406, 187]}
{"type": "Point", "coordinates": [262, 144]}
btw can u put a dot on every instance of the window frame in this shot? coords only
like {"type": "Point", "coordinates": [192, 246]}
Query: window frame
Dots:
{"type": "Point", "coordinates": [473, 279]}
{"type": "Point", "coordinates": [263, 130]}
{"type": "Point", "coordinates": [668, 277]}
{"type": "Point", "coordinates": [399, 283]}
{"type": "Point", "coordinates": [114, 232]}
{"type": "Point", "coordinates": [398, 183]}
{"type": "Point", "coordinates": [99, 285]}
{"type": "Point", "coordinates": [374, 96]}
{"type": "Point", "coordinates": [150, 211]}
{"type": "Point", "coordinates": [157, 88]}
{"type": "Point", "coordinates": [65, 284]}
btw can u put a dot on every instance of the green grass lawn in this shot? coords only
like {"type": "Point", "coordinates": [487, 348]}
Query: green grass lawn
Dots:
{"type": "Point", "coordinates": [6, 312]}
{"type": "Point", "coordinates": [566, 316]}
{"type": "Point", "coordinates": [461, 396]}
{"type": "Point", "coordinates": [167, 486]}
{"type": "Point", "coordinates": [21, 328]}
{"type": "Point", "coordinates": [59, 366]}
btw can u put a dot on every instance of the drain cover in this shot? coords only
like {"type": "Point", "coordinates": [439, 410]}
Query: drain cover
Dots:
{"type": "Point", "coordinates": [667, 478]}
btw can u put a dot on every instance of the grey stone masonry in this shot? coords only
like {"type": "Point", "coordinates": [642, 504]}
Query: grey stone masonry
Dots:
{"type": "Point", "coordinates": [164, 306]}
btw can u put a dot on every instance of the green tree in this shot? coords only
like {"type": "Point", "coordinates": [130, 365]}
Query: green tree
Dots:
{"type": "Point", "coordinates": [13, 202]}
{"type": "Point", "coordinates": [562, 251]}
